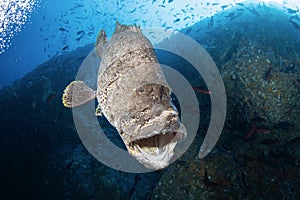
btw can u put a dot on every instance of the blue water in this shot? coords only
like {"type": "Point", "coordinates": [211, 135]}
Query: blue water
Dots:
{"type": "Point", "coordinates": [41, 37]}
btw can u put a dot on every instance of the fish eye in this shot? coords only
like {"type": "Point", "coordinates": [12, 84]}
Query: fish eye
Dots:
{"type": "Point", "coordinates": [140, 90]}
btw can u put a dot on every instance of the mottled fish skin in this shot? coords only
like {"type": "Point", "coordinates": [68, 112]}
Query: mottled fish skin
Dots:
{"type": "Point", "coordinates": [133, 93]}
{"type": "Point", "coordinates": [134, 96]}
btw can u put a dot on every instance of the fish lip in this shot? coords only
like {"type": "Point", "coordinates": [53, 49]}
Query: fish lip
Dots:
{"type": "Point", "coordinates": [162, 150]}
{"type": "Point", "coordinates": [155, 141]}
{"type": "Point", "coordinates": [154, 133]}
{"type": "Point", "coordinates": [160, 156]}
{"type": "Point", "coordinates": [154, 121]}
{"type": "Point", "coordinates": [173, 127]}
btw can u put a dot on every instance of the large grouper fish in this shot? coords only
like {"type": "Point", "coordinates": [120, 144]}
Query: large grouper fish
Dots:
{"type": "Point", "coordinates": [133, 95]}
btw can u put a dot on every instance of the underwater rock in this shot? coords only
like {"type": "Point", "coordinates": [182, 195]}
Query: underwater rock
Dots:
{"type": "Point", "coordinates": [41, 154]}
{"type": "Point", "coordinates": [260, 74]}
{"type": "Point", "coordinates": [40, 147]}
{"type": "Point", "coordinates": [260, 65]}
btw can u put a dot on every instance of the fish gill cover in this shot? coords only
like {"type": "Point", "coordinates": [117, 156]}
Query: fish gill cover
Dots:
{"type": "Point", "coordinates": [256, 48]}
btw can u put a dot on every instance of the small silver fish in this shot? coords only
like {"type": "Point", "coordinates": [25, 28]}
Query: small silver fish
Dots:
{"type": "Point", "coordinates": [134, 96]}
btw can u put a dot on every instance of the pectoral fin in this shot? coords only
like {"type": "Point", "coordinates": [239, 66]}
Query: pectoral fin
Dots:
{"type": "Point", "coordinates": [77, 93]}
{"type": "Point", "coordinates": [98, 111]}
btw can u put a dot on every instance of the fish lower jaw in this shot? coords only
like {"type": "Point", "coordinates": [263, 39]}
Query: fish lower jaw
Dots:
{"type": "Point", "coordinates": [154, 152]}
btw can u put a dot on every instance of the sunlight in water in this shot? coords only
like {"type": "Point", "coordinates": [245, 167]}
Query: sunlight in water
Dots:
{"type": "Point", "coordinates": [13, 14]}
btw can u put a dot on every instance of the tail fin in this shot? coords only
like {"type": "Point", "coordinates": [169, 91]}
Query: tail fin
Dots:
{"type": "Point", "coordinates": [77, 93]}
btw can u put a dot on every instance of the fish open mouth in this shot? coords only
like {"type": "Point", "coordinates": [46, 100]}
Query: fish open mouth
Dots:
{"type": "Point", "coordinates": [153, 145]}
{"type": "Point", "coordinates": [155, 152]}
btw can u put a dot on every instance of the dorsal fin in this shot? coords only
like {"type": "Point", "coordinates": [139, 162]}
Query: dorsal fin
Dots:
{"type": "Point", "coordinates": [122, 28]}
{"type": "Point", "coordinates": [101, 43]}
